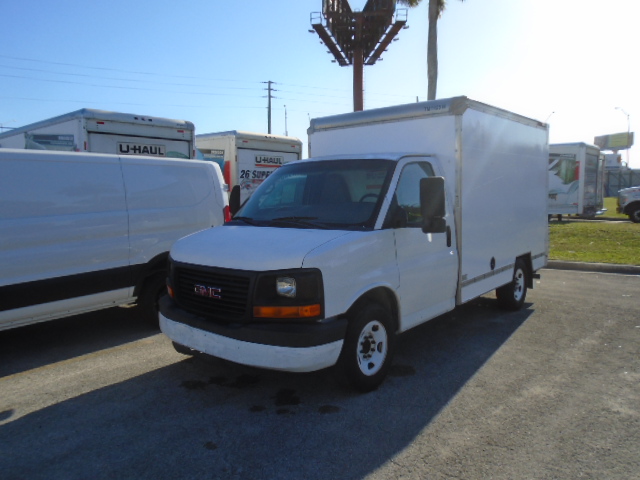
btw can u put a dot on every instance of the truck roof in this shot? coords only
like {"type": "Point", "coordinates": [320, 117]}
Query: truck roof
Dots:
{"type": "Point", "coordinates": [445, 106]}
{"type": "Point", "coordinates": [393, 156]}
{"type": "Point", "coordinates": [93, 114]}
{"type": "Point", "coordinates": [574, 144]}
{"type": "Point", "coordinates": [250, 136]}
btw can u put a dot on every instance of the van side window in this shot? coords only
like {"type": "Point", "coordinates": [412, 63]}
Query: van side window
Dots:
{"type": "Point", "coordinates": [407, 193]}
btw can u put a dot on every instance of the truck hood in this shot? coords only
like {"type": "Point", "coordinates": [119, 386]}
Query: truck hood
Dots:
{"type": "Point", "coordinates": [251, 248]}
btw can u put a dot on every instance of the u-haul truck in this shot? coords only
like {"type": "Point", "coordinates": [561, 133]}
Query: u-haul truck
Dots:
{"type": "Point", "coordinates": [247, 158]}
{"type": "Point", "coordinates": [576, 176]}
{"type": "Point", "coordinates": [99, 131]}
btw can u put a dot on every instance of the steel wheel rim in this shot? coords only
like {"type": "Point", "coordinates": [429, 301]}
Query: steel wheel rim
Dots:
{"type": "Point", "coordinates": [518, 285]}
{"type": "Point", "coordinates": [372, 348]}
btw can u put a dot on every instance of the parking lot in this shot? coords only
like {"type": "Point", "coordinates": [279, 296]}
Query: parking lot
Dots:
{"type": "Point", "coordinates": [550, 392]}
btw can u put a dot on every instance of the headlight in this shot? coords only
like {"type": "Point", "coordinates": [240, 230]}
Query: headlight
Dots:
{"type": "Point", "coordinates": [291, 294]}
{"type": "Point", "coordinates": [286, 287]}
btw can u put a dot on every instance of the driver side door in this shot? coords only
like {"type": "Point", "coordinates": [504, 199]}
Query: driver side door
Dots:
{"type": "Point", "coordinates": [426, 264]}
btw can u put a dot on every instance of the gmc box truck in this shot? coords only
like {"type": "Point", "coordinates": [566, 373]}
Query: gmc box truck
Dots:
{"type": "Point", "coordinates": [401, 214]}
{"type": "Point", "coordinates": [576, 179]}
{"type": "Point", "coordinates": [99, 131]}
{"type": "Point", "coordinates": [247, 158]}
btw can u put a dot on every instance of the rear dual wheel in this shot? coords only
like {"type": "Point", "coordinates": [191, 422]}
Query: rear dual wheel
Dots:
{"type": "Point", "coordinates": [512, 295]}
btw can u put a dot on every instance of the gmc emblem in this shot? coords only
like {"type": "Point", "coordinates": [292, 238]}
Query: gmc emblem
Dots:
{"type": "Point", "coordinates": [205, 291]}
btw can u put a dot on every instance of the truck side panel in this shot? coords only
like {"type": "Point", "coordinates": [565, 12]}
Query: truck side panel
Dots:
{"type": "Point", "coordinates": [147, 146]}
{"type": "Point", "coordinates": [67, 135]}
{"type": "Point", "coordinates": [503, 200]}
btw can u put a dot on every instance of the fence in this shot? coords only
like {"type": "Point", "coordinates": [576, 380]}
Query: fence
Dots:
{"type": "Point", "coordinates": [616, 180]}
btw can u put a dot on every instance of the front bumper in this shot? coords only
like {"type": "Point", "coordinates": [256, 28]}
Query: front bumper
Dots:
{"type": "Point", "coordinates": [294, 347]}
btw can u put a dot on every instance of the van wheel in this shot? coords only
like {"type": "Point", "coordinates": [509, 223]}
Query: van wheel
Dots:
{"type": "Point", "coordinates": [154, 288]}
{"type": "Point", "coordinates": [634, 216]}
{"type": "Point", "coordinates": [512, 295]}
{"type": "Point", "coordinates": [368, 349]}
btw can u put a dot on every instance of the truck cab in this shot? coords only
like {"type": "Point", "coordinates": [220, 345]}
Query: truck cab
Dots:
{"type": "Point", "coordinates": [629, 203]}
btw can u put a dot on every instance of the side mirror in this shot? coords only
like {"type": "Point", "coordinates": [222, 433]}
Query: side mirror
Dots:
{"type": "Point", "coordinates": [234, 200]}
{"type": "Point", "coordinates": [432, 205]}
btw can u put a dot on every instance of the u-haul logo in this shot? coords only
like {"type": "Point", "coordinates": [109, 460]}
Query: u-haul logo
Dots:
{"type": "Point", "coordinates": [269, 161]}
{"type": "Point", "coordinates": [140, 149]}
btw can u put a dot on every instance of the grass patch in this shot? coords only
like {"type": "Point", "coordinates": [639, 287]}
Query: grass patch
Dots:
{"type": "Point", "coordinates": [611, 204]}
{"type": "Point", "coordinates": [597, 242]}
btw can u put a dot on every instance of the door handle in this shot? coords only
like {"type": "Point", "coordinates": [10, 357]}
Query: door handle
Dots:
{"type": "Point", "coordinates": [448, 236]}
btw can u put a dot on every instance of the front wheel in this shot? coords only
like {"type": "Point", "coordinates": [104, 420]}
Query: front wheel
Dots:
{"type": "Point", "coordinates": [634, 216]}
{"type": "Point", "coordinates": [512, 295]}
{"type": "Point", "coordinates": [154, 288]}
{"type": "Point", "coordinates": [368, 348]}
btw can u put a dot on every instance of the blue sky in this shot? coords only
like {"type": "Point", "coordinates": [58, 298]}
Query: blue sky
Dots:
{"type": "Point", "coordinates": [568, 62]}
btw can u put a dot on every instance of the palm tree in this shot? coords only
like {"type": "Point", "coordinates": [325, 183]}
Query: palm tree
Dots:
{"type": "Point", "coordinates": [436, 7]}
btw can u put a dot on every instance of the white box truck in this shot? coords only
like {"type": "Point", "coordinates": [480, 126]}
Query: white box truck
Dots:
{"type": "Point", "coordinates": [99, 131]}
{"type": "Point", "coordinates": [576, 180]}
{"type": "Point", "coordinates": [402, 214]}
{"type": "Point", "coordinates": [247, 158]}
{"type": "Point", "coordinates": [83, 231]}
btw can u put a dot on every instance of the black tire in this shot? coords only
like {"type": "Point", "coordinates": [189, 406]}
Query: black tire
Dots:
{"type": "Point", "coordinates": [512, 295]}
{"type": "Point", "coordinates": [634, 215]}
{"type": "Point", "coordinates": [368, 348]}
{"type": "Point", "coordinates": [154, 288]}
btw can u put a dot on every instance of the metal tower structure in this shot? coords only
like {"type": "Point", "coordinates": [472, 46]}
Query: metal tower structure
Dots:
{"type": "Point", "coordinates": [358, 38]}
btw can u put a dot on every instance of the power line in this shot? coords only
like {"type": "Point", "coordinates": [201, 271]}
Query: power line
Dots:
{"type": "Point", "coordinates": [312, 87]}
{"type": "Point", "coordinates": [111, 69]}
{"type": "Point", "coordinates": [119, 79]}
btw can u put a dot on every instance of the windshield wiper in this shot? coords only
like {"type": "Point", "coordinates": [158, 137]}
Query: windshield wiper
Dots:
{"type": "Point", "coordinates": [248, 220]}
{"type": "Point", "coordinates": [298, 221]}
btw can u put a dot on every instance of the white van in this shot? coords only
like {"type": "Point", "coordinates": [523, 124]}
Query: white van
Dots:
{"type": "Point", "coordinates": [82, 232]}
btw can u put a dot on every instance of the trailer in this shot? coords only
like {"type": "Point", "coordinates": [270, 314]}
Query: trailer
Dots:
{"type": "Point", "coordinates": [248, 158]}
{"type": "Point", "coordinates": [576, 180]}
{"type": "Point", "coordinates": [99, 131]}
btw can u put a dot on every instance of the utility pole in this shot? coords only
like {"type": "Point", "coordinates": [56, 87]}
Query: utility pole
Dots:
{"type": "Point", "coordinates": [628, 133]}
{"type": "Point", "coordinates": [269, 97]}
{"type": "Point", "coordinates": [286, 130]}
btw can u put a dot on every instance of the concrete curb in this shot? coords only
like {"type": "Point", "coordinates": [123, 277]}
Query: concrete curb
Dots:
{"type": "Point", "coordinates": [594, 267]}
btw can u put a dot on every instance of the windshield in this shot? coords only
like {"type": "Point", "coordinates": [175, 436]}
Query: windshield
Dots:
{"type": "Point", "coordinates": [335, 194]}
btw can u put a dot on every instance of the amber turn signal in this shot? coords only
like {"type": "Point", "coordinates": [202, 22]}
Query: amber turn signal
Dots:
{"type": "Point", "coordinates": [303, 311]}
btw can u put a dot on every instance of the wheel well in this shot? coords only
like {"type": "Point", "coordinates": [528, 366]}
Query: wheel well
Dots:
{"type": "Point", "coordinates": [157, 265]}
{"type": "Point", "coordinates": [382, 296]}
{"type": "Point", "coordinates": [631, 207]}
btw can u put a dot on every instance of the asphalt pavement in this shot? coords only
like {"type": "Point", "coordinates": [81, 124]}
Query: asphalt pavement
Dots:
{"type": "Point", "coordinates": [548, 392]}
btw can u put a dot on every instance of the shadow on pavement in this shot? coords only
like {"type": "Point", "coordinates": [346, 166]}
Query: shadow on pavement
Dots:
{"type": "Point", "coordinates": [204, 418]}
{"type": "Point", "coordinates": [57, 340]}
